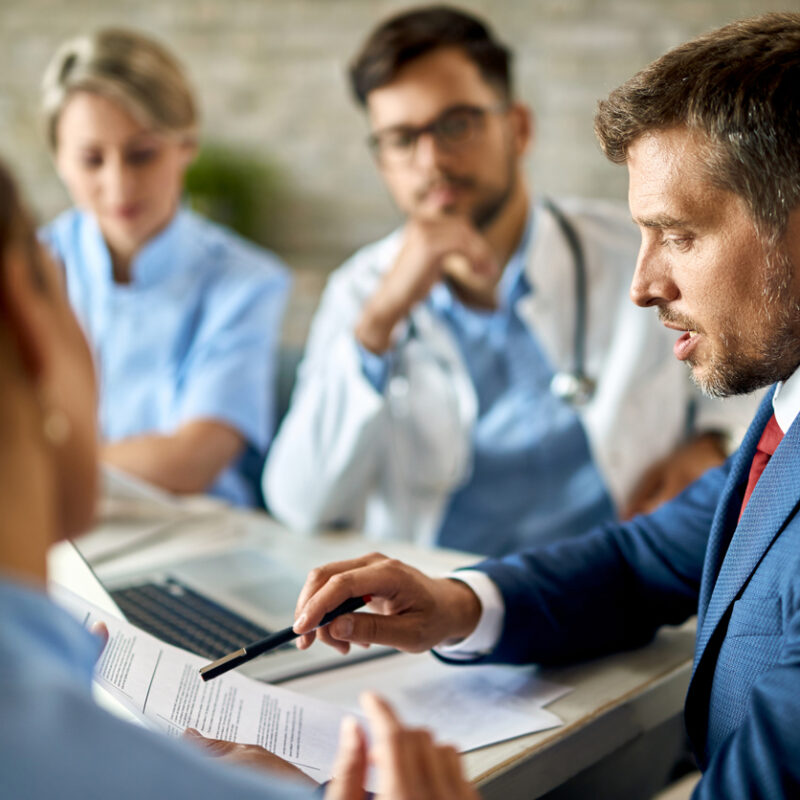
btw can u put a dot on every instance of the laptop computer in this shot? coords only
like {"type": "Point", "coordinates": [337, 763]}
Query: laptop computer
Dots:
{"type": "Point", "coordinates": [220, 589]}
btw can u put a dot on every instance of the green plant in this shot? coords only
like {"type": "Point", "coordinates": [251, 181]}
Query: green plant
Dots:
{"type": "Point", "coordinates": [235, 188]}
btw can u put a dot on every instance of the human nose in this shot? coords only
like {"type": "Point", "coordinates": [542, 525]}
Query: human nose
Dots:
{"type": "Point", "coordinates": [117, 181]}
{"type": "Point", "coordinates": [652, 283]}
{"type": "Point", "coordinates": [428, 151]}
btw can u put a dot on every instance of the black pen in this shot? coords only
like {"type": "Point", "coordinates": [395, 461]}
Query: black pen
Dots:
{"type": "Point", "coordinates": [250, 651]}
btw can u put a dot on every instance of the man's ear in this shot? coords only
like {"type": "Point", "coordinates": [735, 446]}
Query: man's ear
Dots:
{"type": "Point", "coordinates": [28, 313]}
{"type": "Point", "coordinates": [522, 125]}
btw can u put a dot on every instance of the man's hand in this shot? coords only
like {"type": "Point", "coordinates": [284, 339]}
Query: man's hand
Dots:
{"type": "Point", "coordinates": [432, 249]}
{"type": "Point", "coordinates": [409, 610]}
{"type": "Point", "coordinates": [673, 474]}
{"type": "Point", "coordinates": [250, 755]}
{"type": "Point", "coordinates": [410, 765]}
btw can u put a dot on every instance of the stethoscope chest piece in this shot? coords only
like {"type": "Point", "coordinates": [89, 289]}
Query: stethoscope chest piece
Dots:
{"type": "Point", "coordinates": [572, 387]}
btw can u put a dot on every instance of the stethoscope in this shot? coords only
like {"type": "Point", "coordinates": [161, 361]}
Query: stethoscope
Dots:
{"type": "Point", "coordinates": [574, 386]}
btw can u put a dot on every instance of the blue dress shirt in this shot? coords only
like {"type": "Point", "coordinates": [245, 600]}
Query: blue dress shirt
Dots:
{"type": "Point", "coordinates": [194, 335]}
{"type": "Point", "coordinates": [533, 479]}
{"type": "Point", "coordinates": [56, 742]}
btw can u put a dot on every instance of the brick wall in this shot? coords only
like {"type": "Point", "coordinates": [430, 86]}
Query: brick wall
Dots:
{"type": "Point", "coordinates": [270, 75]}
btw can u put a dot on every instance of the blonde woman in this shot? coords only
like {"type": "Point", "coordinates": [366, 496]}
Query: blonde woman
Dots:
{"type": "Point", "coordinates": [183, 316]}
{"type": "Point", "coordinates": [54, 740]}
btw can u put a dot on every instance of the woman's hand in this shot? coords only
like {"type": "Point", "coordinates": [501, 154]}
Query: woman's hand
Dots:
{"type": "Point", "coordinates": [410, 765]}
{"type": "Point", "coordinates": [250, 755]}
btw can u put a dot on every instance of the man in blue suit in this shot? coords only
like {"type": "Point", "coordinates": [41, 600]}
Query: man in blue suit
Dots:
{"type": "Point", "coordinates": [710, 134]}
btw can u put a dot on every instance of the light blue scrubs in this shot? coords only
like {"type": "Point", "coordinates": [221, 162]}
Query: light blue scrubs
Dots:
{"type": "Point", "coordinates": [56, 742]}
{"type": "Point", "coordinates": [194, 336]}
{"type": "Point", "coordinates": [533, 478]}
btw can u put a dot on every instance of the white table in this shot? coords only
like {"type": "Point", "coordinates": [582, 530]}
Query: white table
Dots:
{"type": "Point", "coordinates": [616, 703]}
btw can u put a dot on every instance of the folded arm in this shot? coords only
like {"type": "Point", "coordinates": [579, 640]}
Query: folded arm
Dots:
{"type": "Point", "coordinates": [187, 461]}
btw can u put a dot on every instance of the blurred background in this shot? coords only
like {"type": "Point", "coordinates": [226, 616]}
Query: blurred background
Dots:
{"type": "Point", "coordinates": [284, 156]}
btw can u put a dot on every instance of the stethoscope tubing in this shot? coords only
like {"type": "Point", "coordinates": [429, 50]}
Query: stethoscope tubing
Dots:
{"type": "Point", "coordinates": [582, 385]}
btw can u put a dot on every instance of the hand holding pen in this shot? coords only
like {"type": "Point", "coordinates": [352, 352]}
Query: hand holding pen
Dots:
{"type": "Point", "coordinates": [274, 640]}
{"type": "Point", "coordinates": [413, 612]}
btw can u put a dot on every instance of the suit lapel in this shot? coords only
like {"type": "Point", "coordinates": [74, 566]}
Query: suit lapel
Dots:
{"type": "Point", "coordinates": [727, 514]}
{"type": "Point", "coordinates": [775, 497]}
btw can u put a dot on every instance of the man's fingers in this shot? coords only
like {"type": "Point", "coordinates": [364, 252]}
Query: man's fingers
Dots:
{"type": "Point", "coordinates": [471, 253]}
{"type": "Point", "coordinates": [324, 635]}
{"type": "Point", "coordinates": [319, 576]}
{"type": "Point", "coordinates": [470, 258]}
{"type": "Point", "coordinates": [372, 579]}
{"type": "Point", "coordinates": [350, 768]}
{"type": "Point", "coordinates": [332, 579]}
{"type": "Point", "coordinates": [402, 631]}
{"type": "Point", "coordinates": [305, 641]}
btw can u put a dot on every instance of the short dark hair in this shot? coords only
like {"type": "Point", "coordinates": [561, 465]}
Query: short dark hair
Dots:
{"type": "Point", "coordinates": [739, 86]}
{"type": "Point", "coordinates": [412, 34]}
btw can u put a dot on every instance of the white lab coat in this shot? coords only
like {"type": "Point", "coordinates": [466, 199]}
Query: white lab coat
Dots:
{"type": "Point", "coordinates": [388, 463]}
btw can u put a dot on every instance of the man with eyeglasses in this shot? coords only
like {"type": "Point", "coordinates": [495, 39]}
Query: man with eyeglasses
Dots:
{"type": "Point", "coordinates": [424, 409]}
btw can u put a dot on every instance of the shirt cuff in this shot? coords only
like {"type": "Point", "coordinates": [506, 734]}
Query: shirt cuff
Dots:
{"type": "Point", "coordinates": [374, 367]}
{"type": "Point", "coordinates": [490, 625]}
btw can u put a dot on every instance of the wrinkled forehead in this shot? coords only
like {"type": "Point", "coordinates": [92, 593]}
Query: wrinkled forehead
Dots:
{"type": "Point", "coordinates": [667, 170]}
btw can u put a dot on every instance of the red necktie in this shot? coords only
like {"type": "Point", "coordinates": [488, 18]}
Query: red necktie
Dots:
{"type": "Point", "coordinates": [770, 439]}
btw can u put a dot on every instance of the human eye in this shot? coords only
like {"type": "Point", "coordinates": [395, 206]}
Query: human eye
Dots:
{"type": "Point", "coordinates": [398, 139]}
{"type": "Point", "coordinates": [140, 156]}
{"type": "Point", "coordinates": [456, 125]}
{"type": "Point", "coordinates": [91, 159]}
{"type": "Point", "coordinates": [681, 241]}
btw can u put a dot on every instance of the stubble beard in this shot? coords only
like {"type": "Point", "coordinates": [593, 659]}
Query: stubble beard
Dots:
{"type": "Point", "coordinates": [777, 354]}
{"type": "Point", "coordinates": [489, 207]}
{"type": "Point", "coordinates": [487, 211]}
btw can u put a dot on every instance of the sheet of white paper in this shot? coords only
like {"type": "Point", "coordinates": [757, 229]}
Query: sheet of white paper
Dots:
{"type": "Point", "coordinates": [468, 706]}
{"type": "Point", "coordinates": [162, 684]}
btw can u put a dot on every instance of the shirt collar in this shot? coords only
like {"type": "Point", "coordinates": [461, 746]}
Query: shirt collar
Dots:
{"type": "Point", "coordinates": [163, 254]}
{"type": "Point", "coordinates": [786, 401]}
{"type": "Point", "coordinates": [160, 256]}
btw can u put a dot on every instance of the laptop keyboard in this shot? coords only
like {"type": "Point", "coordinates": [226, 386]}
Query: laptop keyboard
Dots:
{"type": "Point", "coordinates": [181, 616]}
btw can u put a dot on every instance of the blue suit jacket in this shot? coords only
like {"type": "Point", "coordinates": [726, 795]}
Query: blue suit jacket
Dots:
{"type": "Point", "coordinates": [615, 586]}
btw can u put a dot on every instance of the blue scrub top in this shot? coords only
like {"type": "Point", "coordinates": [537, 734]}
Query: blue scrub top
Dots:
{"type": "Point", "coordinates": [533, 478]}
{"type": "Point", "coordinates": [195, 334]}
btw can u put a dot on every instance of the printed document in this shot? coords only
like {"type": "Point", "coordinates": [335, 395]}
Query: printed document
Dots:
{"type": "Point", "coordinates": [161, 684]}
{"type": "Point", "coordinates": [468, 706]}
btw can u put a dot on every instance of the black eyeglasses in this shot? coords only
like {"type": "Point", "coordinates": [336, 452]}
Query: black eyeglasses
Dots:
{"type": "Point", "coordinates": [454, 127]}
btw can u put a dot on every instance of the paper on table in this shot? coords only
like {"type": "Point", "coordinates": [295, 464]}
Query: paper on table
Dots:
{"type": "Point", "coordinates": [161, 683]}
{"type": "Point", "coordinates": [469, 706]}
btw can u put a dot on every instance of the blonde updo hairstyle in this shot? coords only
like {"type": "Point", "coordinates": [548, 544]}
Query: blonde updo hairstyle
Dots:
{"type": "Point", "coordinates": [127, 68]}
